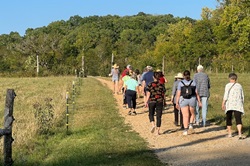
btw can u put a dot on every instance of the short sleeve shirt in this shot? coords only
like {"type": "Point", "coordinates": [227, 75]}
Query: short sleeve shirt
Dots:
{"type": "Point", "coordinates": [156, 90]}
{"type": "Point", "coordinates": [124, 72]}
{"type": "Point", "coordinates": [131, 84]}
{"type": "Point", "coordinates": [148, 77]}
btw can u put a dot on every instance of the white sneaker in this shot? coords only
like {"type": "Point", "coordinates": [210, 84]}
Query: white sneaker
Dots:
{"type": "Point", "coordinates": [191, 127]}
{"type": "Point", "coordinates": [185, 133]}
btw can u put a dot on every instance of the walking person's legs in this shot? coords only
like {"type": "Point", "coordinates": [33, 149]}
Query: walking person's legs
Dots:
{"type": "Point", "coordinates": [113, 86]}
{"type": "Point", "coordinates": [238, 120]}
{"type": "Point", "coordinates": [124, 99]}
{"type": "Point", "coordinates": [151, 112]}
{"type": "Point", "coordinates": [192, 108]}
{"type": "Point", "coordinates": [185, 113]}
{"type": "Point", "coordinates": [176, 115]}
{"type": "Point", "coordinates": [204, 101]}
{"type": "Point", "coordinates": [197, 114]}
{"type": "Point", "coordinates": [159, 108]}
{"type": "Point", "coordinates": [192, 115]}
{"type": "Point", "coordinates": [133, 99]}
{"type": "Point", "coordinates": [181, 119]}
{"type": "Point", "coordinates": [120, 86]}
{"type": "Point", "coordinates": [128, 96]}
{"type": "Point", "coordinates": [229, 122]}
{"type": "Point", "coordinates": [144, 97]}
{"type": "Point", "coordinates": [116, 87]}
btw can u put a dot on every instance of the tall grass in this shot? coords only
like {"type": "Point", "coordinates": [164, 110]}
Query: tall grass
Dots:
{"type": "Point", "coordinates": [97, 133]}
{"type": "Point", "coordinates": [30, 91]}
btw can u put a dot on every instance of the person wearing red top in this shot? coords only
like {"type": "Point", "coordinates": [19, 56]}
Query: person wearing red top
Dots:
{"type": "Point", "coordinates": [126, 70]}
{"type": "Point", "coordinates": [162, 80]}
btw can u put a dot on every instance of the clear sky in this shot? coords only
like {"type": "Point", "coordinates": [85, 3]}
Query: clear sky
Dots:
{"type": "Point", "coordinates": [18, 15]}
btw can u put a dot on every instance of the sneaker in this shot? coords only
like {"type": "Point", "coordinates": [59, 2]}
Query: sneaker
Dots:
{"type": "Point", "coordinates": [191, 127]}
{"type": "Point", "coordinates": [134, 113]}
{"type": "Point", "coordinates": [241, 137]}
{"type": "Point", "coordinates": [185, 132]}
{"type": "Point", "coordinates": [129, 113]}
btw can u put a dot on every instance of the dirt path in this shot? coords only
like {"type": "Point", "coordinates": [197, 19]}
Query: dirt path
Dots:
{"type": "Point", "coordinates": [204, 147]}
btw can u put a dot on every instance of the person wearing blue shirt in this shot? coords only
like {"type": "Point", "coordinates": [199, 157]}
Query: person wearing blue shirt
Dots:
{"type": "Point", "coordinates": [146, 79]}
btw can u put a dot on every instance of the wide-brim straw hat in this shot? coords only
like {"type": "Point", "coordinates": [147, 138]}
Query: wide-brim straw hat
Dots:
{"type": "Point", "coordinates": [115, 66]}
{"type": "Point", "coordinates": [179, 75]}
{"type": "Point", "coordinates": [158, 70]}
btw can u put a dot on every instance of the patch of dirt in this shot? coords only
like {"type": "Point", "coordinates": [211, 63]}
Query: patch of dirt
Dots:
{"type": "Point", "coordinates": [204, 147]}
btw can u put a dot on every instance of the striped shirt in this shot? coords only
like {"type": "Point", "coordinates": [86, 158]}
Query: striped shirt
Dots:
{"type": "Point", "coordinates": [202, 84]}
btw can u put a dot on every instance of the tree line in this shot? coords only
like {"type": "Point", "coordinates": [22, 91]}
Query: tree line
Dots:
{"type": "Point", "coordinates": [220, 39]}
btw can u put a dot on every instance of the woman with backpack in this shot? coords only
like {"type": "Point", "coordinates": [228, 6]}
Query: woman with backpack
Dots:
{"type": "Point", "coordinates": [186, 98]}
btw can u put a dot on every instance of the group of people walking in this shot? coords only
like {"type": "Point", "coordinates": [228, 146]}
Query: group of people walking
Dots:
{"type": "Point", "coordinates": [189, 97]}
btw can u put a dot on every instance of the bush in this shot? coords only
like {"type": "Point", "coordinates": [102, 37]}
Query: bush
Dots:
{"type": "Point", "coordinates": [44, 115]}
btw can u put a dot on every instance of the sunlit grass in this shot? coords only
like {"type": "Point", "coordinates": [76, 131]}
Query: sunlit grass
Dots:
{"type": "Point", "coordinates": [30, 91]}
{"type": "Point", "coordinates": [97, 133]}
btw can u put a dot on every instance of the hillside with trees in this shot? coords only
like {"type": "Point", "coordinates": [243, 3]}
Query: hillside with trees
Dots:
{"type": "Point", "coordinates": [220, 40]}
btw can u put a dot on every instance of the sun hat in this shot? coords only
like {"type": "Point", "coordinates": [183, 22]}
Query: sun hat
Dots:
{"type": "Point", "coordinates": [200, 67]}
{"type": "Point", "coordinates": [158, 70]}
{"type": "Point", "coordinates": [179, 75]}
{"type": "Point", "coordinates": [115, 66]}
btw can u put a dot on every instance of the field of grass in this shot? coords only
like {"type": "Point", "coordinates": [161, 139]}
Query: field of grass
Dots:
{"type": "Point", "coordinates": [97, 133]}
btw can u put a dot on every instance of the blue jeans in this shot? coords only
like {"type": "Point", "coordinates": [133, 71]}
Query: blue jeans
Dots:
{"type": "Point", "coordinates": [204, 101]}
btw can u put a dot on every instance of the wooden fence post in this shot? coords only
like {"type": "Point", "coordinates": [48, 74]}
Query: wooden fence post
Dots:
{"type": "Point", "coordinates": [7, 131]}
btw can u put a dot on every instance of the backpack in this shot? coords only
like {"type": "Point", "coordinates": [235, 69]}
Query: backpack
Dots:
{"type": "Point", "coordinates": [187, 91]}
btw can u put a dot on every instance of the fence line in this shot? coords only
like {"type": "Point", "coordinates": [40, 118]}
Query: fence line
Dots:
{"type": "Point", "coordinates": [68, 99]}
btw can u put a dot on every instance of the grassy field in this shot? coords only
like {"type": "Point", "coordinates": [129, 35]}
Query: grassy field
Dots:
{"type": "Point", "coordinates": [97, 133]}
